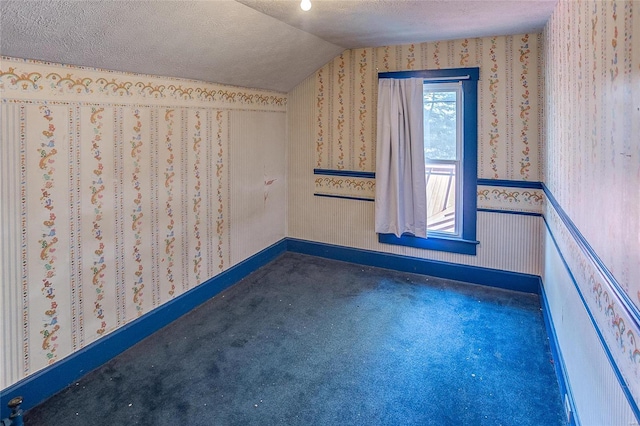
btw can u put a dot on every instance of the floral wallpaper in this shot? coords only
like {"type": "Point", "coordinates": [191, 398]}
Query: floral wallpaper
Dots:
{"type": "Point", "coordinates": [592, 167]}
{"type": "Point", "coordinates": [116, 188]}
{"type": "Point", "coordinates": [509, 100]}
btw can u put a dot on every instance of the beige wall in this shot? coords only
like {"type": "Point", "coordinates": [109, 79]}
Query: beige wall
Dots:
{"type": "Point", "coordinates": [121, 192]}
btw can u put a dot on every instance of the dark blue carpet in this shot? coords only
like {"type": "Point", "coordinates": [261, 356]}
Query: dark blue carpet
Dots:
{"type": "Point", "coordinates": [310, 341]}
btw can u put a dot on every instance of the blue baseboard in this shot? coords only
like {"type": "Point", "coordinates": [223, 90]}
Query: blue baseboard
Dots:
{"type": "Point", "coordinates": [51, 380]}
{"type": "Point", "coordinates": [605, 347]}
{"type": "Point", "coordinates": [472, 274]}
{"type": "Point", "coordinates": [484, 276]}
{"type": "Point", "coordinates": [43, 384]}
{"type": "Point", "coordinates": [558, 359]}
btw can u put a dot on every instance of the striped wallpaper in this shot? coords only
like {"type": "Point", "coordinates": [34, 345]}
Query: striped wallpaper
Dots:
{"type": "Point", "coordinates": [119, 193]}
{"type": "Point", "coordinates": [508, 242]}
{"type": "Point", "coordinates": [592, 159]}
{"type": "Point", "coordinates": [345, 98]}
{"type": "Point", "coordinates": [567, 119]}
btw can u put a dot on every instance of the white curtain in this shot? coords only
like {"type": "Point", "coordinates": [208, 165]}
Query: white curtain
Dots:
{"type": "Point", "coordinates": [401, 194]}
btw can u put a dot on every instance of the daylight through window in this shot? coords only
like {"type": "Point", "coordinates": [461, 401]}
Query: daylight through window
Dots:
{"type": "Point", "coordinates": [443, 153]}
{"type": "Point", "coordinates": [450, 114]}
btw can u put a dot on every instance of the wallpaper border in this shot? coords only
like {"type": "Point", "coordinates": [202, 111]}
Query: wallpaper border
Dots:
{"type": "Point", "coordinates": [360, 186]}
{"type": "Point", "coordinates": [609, 281]}
{"type": "Point", "coordinates": [511, 196]}
{"type": "Point", "coordinates": [27, 79]}
{"type": "Point", "coordinates": [346, 184]}
{"type": "Point", "coordinates": [630, 308]}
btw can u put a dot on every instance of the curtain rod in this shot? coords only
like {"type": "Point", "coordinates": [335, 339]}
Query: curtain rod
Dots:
{"type": "Point", "coordinates": [443, 78]}
{"type": "Point", "coordinates": [460, 77]}
{"type": "Point", "coordinates": [460, 74]}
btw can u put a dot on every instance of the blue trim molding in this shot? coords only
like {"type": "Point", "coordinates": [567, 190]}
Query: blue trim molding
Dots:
{"type": "Point", "coordinates": [344, 197]}
{"type": "Point", "coordinates": [594, 324]}
{"type": "Point", "coordinates": [472, 274]}
{"type": "Point", "coordinates": [510, 183]}
{"type": "Point", "coordinates": [617, 291]}
{"type": "Point", "coordinates": [625, 301]}
{"type": "Point", "coordinates": [51, 380]}
{"type": "Point", "coordinates": [45, 383]}
{"type": "Point", "coordinates": [510, 212]}
{"type": "Point", "coordinates": [439, 243]}
{"type": "Point", "coordinates": [559, 364]}
{"type": "Point", "coordinates": [346, 184]}
{"type": "Point", "coordinates": [513, 196]}
{"type": "Point", "coordinates": [449, 74]}
{"type": "Point", "coordinates": [466, 242]}
{"type": "Point", "coordinates": [345, 173]}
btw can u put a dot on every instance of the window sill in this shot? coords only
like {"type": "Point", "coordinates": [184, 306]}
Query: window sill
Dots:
{"type": "Point", "coordinates": [435, 242]}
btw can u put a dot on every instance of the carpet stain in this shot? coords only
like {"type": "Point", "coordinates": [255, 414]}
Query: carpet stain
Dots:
{"type": "Point", "coordinates": [310, 341]}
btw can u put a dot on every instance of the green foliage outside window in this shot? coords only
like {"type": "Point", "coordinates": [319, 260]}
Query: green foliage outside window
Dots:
{"type": "Point", "coordinates": [439, 125]}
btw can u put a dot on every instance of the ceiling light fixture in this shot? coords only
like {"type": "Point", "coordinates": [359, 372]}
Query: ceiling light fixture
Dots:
{"type": "Point", "coordinates": [305, 5]}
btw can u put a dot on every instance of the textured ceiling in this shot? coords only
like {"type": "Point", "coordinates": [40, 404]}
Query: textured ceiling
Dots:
{"type": "Point", "coordinates": [215, 41]}
{"type": "Point", "coordinates": [267, 44]}
{"type": "Point", "coordinates": [370, 23]}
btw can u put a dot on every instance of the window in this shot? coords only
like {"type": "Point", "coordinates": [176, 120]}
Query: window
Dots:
{"type": "Point", "coordinates": [443, 156]}
{"type": "Point", "coordinates": [450, 150]}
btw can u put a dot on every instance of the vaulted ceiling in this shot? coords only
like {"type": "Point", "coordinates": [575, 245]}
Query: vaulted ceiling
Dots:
{"type": "Point", "coordinates": [267, 44]}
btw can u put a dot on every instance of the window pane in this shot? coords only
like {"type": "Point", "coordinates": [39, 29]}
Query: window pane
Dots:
{"type": "Point", "coordinates": [440, 124]}
{"type": "Point", "coordinates": [441, 197]}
